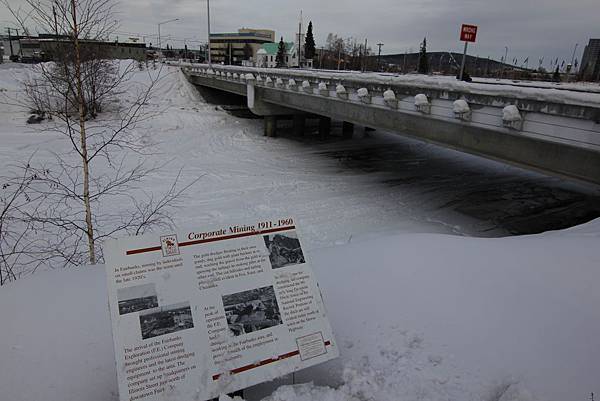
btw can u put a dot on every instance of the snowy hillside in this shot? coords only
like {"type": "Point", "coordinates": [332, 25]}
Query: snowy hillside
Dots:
{"type": "Point", "coordinates": [417, 317]}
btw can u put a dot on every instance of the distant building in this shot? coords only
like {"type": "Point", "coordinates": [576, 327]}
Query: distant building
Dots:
{"type": "Point", "coordinates": [590, 63]}
{"type": "Point", "coordinates": [44, 47]}
{"type": "Point", "coordinates": [49, 45]}
{"type": "Point", "coordinates": [238, 48]}
{"type": "Point", "coordinates": [267, 55]}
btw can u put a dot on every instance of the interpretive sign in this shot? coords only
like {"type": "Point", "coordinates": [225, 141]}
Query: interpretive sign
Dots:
{"type": "Point", "coordinates": [468, 33]}
{"type": "Point", "coordinates": [202, 312]}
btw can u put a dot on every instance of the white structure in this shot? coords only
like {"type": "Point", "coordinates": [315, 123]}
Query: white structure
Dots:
{"type": "Point", "coordinates": [266, 56]}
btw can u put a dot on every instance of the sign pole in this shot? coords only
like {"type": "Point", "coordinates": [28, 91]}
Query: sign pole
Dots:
{"type": "Point", "coordinates": [462, 64]}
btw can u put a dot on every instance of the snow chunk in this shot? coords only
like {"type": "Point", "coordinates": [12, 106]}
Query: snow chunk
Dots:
{"type": "Point", "coordinates": [362, 92]}
{"type": "Point", "coordinates": [305, 84]}
{"type": "Point", "coordinates": [339, 89]}
{"type": "Point", "coordinates": [511, 113]}
{"type": "Point", "coordinates": [249, 77]}
{"type": "Point", "coordinates": [421, 100]}
{"type": "Point", "coordinates": [322, 86]}
{"type": "Point", "coordinates": [279, 83]}
{"type": "Point", "coordinates": [292, 82]}
{"type": "Point", "coordinates": [268, 81]}
{"type": "Point", "coordinates": [460, 106]}
{"type": "Point", "coordinates": [389, 95]}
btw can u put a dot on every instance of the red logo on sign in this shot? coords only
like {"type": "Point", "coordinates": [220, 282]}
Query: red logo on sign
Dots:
{"type": "Point", "coordinates": [468, 33]}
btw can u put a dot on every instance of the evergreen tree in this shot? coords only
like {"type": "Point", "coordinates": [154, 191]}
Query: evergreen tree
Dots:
{"type": "Point", "coordinates": [281, 52]}
{"type": "Point", "coordinates": [423, 63]}
{"type": "Point", "coordinates": [309, 43]}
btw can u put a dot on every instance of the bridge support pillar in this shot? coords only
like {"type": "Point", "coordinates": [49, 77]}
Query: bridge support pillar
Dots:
{"type": "Point", "coordinates": [347, 129]}
{"type": "Point", "coordinates": [299, 124]}
{"type": "Point", "coordinates": [271, 126]}
{"type": "Point", "coordinates": [324, 126]}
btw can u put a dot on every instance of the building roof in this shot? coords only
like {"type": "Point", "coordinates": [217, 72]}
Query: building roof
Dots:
{"type": "Point", "coordinates": [271, 48]}
{"type": "Point", "coordinates": [241, 34]}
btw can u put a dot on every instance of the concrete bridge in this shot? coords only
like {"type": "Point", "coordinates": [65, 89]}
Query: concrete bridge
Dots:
{"type": "Point", "coordinates": [549, 130]}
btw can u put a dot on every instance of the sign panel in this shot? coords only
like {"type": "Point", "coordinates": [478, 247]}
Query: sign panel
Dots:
{"type": "Point", "coordinates": [468, 33]}
{"type": "Point", "coordinates": [202, 312]}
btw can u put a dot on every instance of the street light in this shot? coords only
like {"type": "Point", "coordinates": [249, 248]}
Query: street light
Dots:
{"type": "Point", "coordinates": [574, 50]}
{"type": "Point", "coordinates": [162, 23]}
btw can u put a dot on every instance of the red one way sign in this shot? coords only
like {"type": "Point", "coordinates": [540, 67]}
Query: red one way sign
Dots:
{"type": "Point", "coordinates": [468, 33]}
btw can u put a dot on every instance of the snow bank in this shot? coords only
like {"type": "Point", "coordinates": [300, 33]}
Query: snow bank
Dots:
{"type": "Point", "coordinates": [429, 317]}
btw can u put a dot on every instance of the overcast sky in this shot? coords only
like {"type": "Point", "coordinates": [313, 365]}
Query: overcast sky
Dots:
{"type": "Point", "coordinates": [530, 28]}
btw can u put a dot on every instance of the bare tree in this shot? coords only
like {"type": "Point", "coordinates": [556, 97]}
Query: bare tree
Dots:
{"type": "Point", "coordinates": [97, 108]}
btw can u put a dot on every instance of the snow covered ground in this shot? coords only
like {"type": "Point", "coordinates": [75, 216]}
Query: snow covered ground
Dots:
{"type": "Point", "coordinates": [418, 314]}
{"type": "Point", "coordinates": [417, 317]}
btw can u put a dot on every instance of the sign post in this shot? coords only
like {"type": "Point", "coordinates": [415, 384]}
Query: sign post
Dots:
{"type": "Point", "coordinates": [468, 33]}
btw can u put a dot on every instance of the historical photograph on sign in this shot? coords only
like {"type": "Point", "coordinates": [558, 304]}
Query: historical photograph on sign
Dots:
{"type": "Point", "coordinates": [137, 298]}
{"type": "Point", "coordinates": [165, 320]}
{"type": "Point", "coordinates": [284, 249]}
{"type": "Point", "coordinates": [251, 310]}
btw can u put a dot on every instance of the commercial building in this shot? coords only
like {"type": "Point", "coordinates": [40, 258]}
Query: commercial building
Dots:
{"type": "Point", "coordinates": [590, 63]}
{"type": "Point", "coordinates": [238, 48]}
{"type": "Point", "coordinates": [44, 47]}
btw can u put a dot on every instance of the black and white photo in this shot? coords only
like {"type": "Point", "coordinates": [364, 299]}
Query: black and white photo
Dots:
{"type": "Point", "coordinates": [137, 298]}
{"type": "Point", "coordinates": [251, 310]}
{"type": "Point", "coordinates": [165, 320]}
{"type": "Point", "coordinates": [284, 249]}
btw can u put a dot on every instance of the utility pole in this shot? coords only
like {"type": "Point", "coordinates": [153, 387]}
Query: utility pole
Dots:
{"type": "Point", "coordinates": [208, 25]}
{"type": "Point", "coordinates": [10, 42]}
{"type": "Point", "coordinates": [379, 56]}
{"type": "Point", "coordinates": [365, 57]}
{"type": "Point", "coordinates": [300, 41]}
{"type": "Point", "coordinates": [505, 58]}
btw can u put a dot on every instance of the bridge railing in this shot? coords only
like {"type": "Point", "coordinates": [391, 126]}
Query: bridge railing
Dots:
{"type": "Point", "coordinates": [572, 118]}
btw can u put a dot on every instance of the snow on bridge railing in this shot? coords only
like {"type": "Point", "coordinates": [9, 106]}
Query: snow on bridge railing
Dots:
{"type": "Point", "coordinates": [502, 92]}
